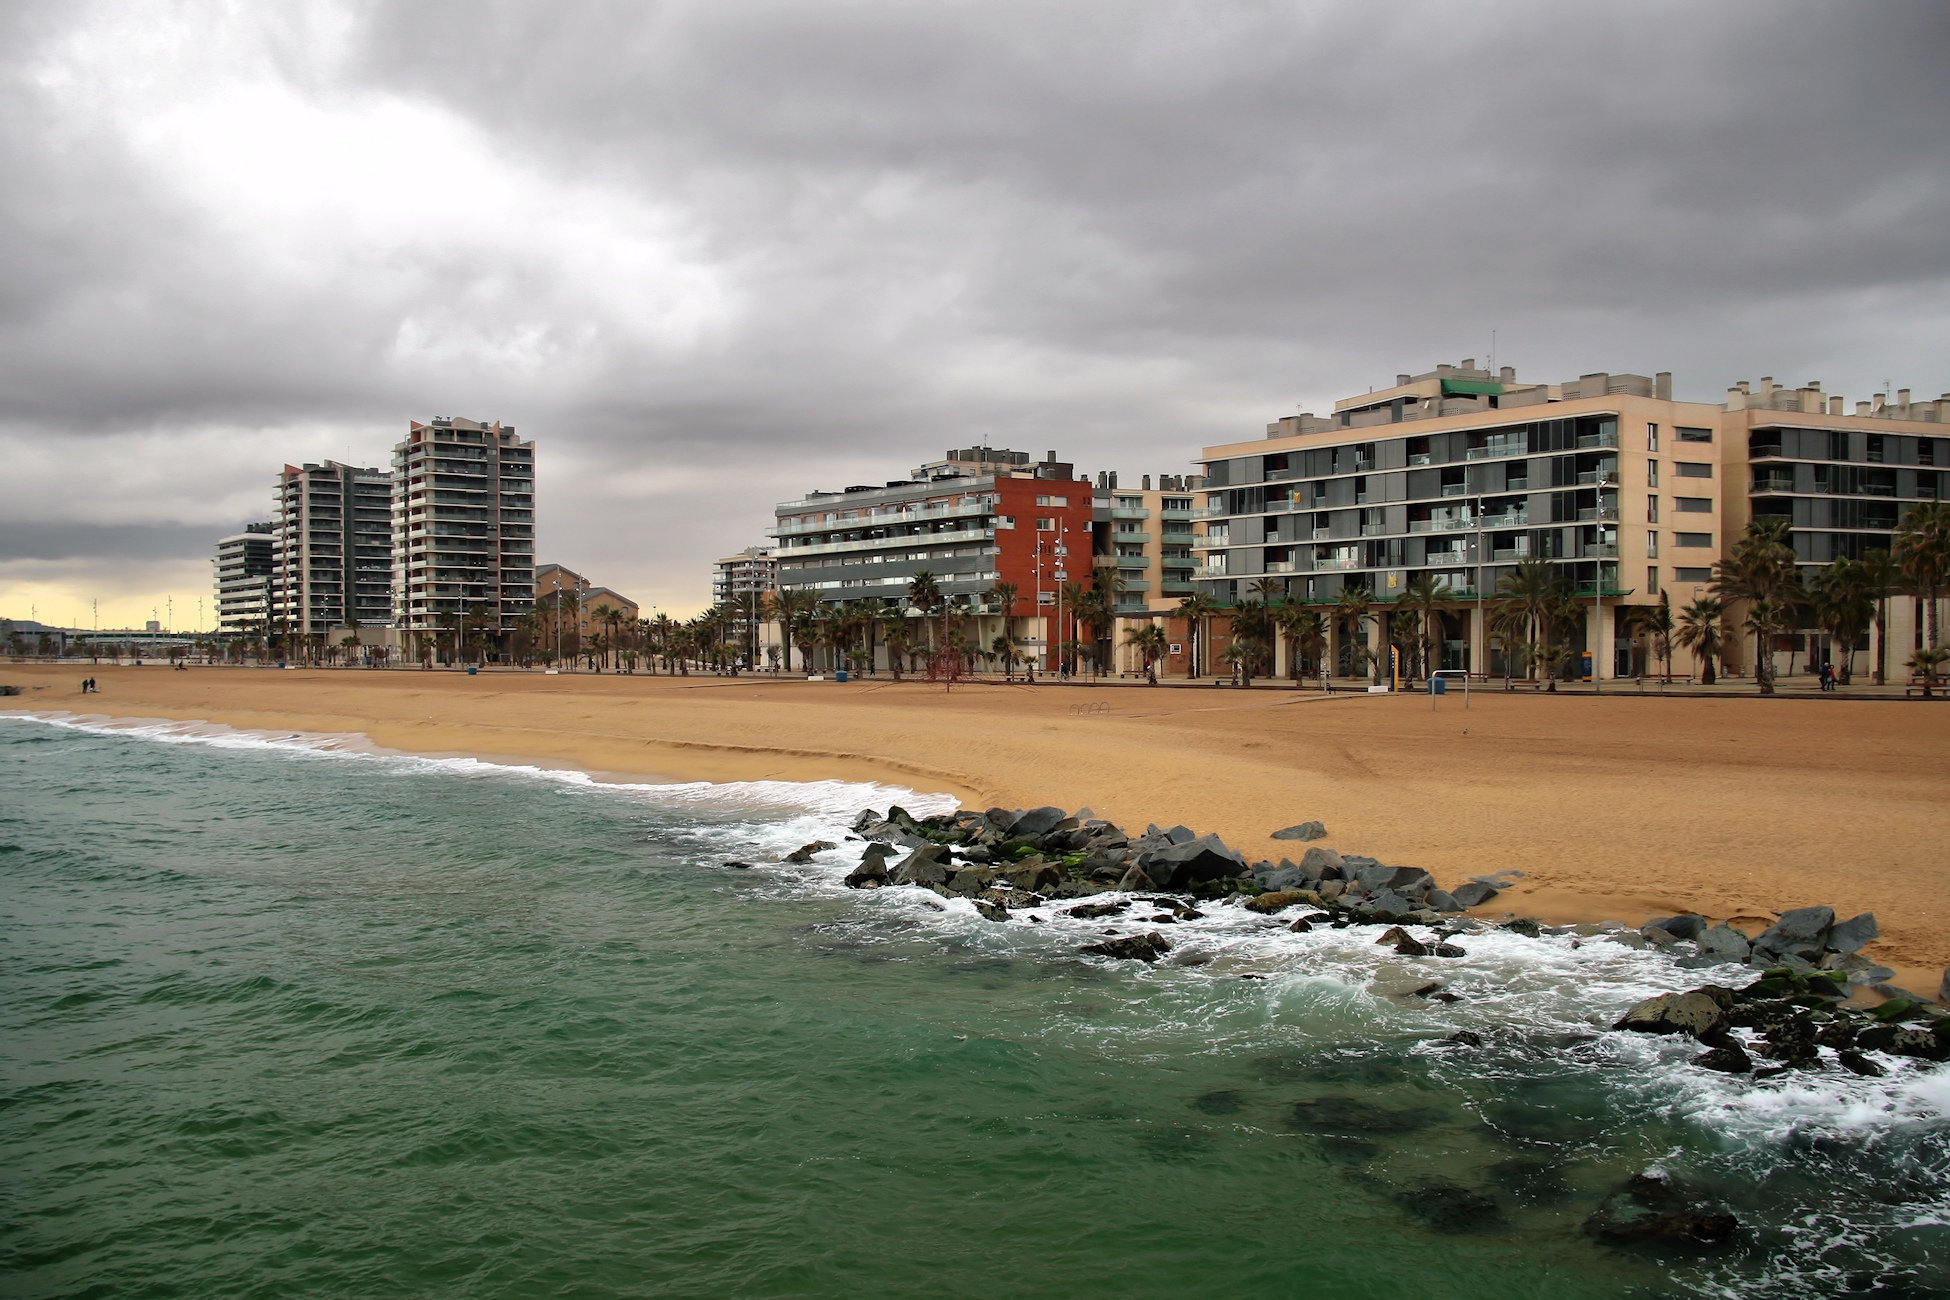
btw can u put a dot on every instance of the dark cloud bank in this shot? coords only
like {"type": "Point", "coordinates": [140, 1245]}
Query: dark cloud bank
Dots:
{"type": "Point", "coordinates": [713, 254]}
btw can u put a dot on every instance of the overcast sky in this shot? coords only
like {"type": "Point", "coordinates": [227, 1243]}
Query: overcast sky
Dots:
{"type": "Point", "coordinates": [712, 255]}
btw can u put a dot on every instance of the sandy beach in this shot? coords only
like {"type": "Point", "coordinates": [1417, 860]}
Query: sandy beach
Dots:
{"type": "Point", "coordinates": [1616, 807]}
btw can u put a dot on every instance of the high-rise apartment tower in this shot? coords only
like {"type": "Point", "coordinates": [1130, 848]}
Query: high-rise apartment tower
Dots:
{"type": "Point", "coordinates": [332, 551]}
{"type": "Point", "coordinates": [463, 512]}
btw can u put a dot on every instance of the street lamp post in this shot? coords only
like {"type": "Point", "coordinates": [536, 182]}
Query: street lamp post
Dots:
{"type": "Point", "coordinates": [1598, 588]}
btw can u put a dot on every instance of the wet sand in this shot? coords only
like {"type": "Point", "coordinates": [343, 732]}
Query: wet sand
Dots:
{"type": "Point", "coordinates": [1615, 807]}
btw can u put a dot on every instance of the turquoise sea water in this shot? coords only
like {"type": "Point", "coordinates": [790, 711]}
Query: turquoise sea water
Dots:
{"type": "Point", "coordinates": [278, 1019]}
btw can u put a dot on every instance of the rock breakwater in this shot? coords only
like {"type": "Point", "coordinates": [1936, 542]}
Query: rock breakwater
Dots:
{"type": "Point", "coordinates": [1806, 1000]}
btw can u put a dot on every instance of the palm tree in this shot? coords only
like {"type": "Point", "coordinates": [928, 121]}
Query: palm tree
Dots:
{"type": "Point", "coordinates": [1881, 578]}
{"type": "Point", "coordinates": [897, 636]}
{"type": "Point", "coordinates": [1423, 598]}
{"type": "Point", "coordinates": [605, 614]}
{"type": "Point", "coordinates": [1654, 622]}
{"type": "Point", "coordinates": [1306, 632]}
{"type": "Point", "coordinates": [924, 594]}
{"type": "Point", "coordinates": [1151, 643]}
{"type": "Point", "coordinates": [1003, 596]}
{"type": "Point", "coordinates": [1760, 567]}
{"type": "Point", "coordinates": [1195, 609]}
{"type": "Point", "coordinates": [1923, 550]}
{"type": "Point", "coordinates": [1530, 594]}
{"type": "Point", "coordinates": [1352, 607]}
{"type": "Point", "coordinates": [791, 609]}
{"type": "Point", "coordinates": [1703, 630]}
{"type": "Point", "coordinates": [1843, 608]}
{"type": "Point", "coordinates": [1766, 619]}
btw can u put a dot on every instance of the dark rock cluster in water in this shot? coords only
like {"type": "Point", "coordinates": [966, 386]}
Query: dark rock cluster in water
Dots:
{"type": "Point", "coordinates": [1005, 860]}
{"type": "Point", "coordinates": [1783, 1021]}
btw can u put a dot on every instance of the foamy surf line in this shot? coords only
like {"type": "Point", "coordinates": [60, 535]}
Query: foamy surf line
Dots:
{"type": "Point", "coordinates": [1233, 966]}
{"type": "Point", "coordinates": [823, 799]}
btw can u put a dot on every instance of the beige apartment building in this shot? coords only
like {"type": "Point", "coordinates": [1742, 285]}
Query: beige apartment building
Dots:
{"type": "Point", "coordinates": [1461, 473]}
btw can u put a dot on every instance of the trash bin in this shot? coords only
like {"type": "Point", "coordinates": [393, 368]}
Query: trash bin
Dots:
{"type": "Point", "coordinates": [840, 676]}
{"type": "Point", "coordinates": [1438, 685]}
{"type": "Point", "coordinates": [472, 669]}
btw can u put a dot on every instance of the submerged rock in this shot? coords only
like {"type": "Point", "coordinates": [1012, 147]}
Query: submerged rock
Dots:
{"type": "Point", "coordinates": [1449, 1207]}
{"type": "Point", "coordinates": [804, 853]}
{"type": "Point", "coordinates": [1137, 947]}
{"type": "Point", "coordinates": [1278, 900]}
{"type": "Point", "coordinates": [1730, 1058]}
{"type": "Point", "coordinates": [1651, 1207]}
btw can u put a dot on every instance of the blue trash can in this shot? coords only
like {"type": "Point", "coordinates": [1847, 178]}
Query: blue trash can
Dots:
{"type": "Point", "coordinates": [840, 676]}
{"type": "Point", "coordinates": [472, 669]}
{"type": "Point", "coordinates": [1438, 685]}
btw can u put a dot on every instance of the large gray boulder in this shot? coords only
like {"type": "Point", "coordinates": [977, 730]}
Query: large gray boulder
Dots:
{"type": "Point", "coordinates": [1687, 925]}
{"type": "Point", "coordinates": [926, 865]}
{"type": "Point", "coordinates": [1319, 863]}
{"type": "Point", "coordinates": [1409, 882]}
{"type": "Point", "coordinates": [1724, 942]}
{"type": "Point", "coordinates": [1037, 821]}
{"type": "Point", "coordinates": [1304, 831]}
{"type": "Point", "coordinates": [1801, 933]}
{"type": "Point", "coordinates": [1700, 1013]}
{"type": "Point", "coordinates": [1854, 934]}
{"type": "Point", "coordinates": [1473, 893]}
{"type": "Point", "coordinates": [1182, 864]}
{"type": "Point", "coordinates": [1284, 878]}
{"type": "Point", "coordinates": [1441, 900]}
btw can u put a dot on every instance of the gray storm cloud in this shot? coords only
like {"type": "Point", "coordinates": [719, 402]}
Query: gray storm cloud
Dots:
{"type": "Point", "coordinates": [712, 255]}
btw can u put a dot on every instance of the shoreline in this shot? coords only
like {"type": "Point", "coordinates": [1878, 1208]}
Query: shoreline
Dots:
{"type": "Point", "coordinates": [1215, 762]}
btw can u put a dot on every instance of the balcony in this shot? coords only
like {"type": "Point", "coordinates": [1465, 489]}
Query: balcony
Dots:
{"type": "Point", "coordinates": [1323, 534]}
{"type": "Point", "coordinates": [880, 519]}
{"type": "Point", "coordinates": [1497, 447]}
{"type": "Point", "coordinates": [1207, 573]}
{"type": "Point", "coordinates": [1177, 516]}
{"type": "Point", "coordinates": [1597, 550]}
{"type": "Point", "coordinates": [1209, 512]}
{"type": "Point", "coordinates": [1286, 506]}
{"type": "Point", "coordinates": [1209, 542]}
{"type": "Point", "coordinates": [1327, 565]}
{"type": "Point", "coordinates": [1129, 512]}
{"type": "Point", "coordinates": [1136, 539]}
{"type": "Point", "coordinates": [887, 543]}
{"type": "Point", "coordinates": [1765, 483]}
{"type": "Point", "coordinates": [1590, 440]}
{"type": "Point", "coordinates": [1135, 585]}
{"type": "Point", "coordinates": [1510, 519]}
{"type": "Point", "coordinates": [1598, 515]}
{"type": "Point", "coordinates": [1178, 586]}
{"type": "Point", "coordinates": [1420, 458]}
{"type": "Point", "coordinates": [1374, 530]}
{"type": "Point", "coordinates": [1178, 539]}
{"type": "Point", "coordinates": [1281, 566]}
{"type": "Point", "coordinates": [1436, 525]}
{"type": "Point", "coordinates": [1133, 561]}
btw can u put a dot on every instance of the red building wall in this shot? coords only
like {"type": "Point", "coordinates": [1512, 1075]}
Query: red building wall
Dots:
{"type": "Point", "coordinates": [1016, 546]}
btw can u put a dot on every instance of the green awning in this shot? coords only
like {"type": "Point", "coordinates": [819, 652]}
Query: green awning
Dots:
{"type": "Point", "coordinates": [1479, 387]}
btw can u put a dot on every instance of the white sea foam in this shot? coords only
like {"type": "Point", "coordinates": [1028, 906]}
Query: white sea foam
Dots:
{"type": "Point", "coordinates": [821, 800]}
{"type": "Point", "coordinates": [1562, 986]}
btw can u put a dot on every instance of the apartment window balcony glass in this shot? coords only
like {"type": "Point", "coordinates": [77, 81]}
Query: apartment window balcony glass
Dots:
{"type": "Point", "coordinates": [1605, 437]}
{"type": "Point", "coordinates": [1506, 445]}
